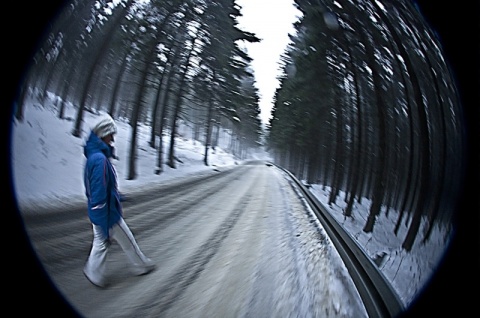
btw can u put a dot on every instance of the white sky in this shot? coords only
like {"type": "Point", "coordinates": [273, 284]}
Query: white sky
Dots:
{"type": "Point", "coordinates": [271, 21]}
{"type": "Point", "coordinates": [47, 166]}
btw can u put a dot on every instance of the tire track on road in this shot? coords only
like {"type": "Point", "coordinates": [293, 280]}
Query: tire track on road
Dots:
{"type": "Point", "coordinates": [159, 302]}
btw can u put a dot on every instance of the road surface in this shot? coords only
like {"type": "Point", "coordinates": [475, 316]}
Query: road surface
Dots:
{"type": "Point", "coordinates": [234, 243]}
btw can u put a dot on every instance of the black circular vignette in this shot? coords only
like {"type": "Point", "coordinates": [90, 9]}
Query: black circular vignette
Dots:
{"type": "Point", "coordinates": [457, 27]}
{"type": "Point", "coordinates": [28, 288]}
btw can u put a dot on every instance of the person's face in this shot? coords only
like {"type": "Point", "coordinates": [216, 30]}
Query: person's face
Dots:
{"type": "Point", "coordinates": [108, 139]}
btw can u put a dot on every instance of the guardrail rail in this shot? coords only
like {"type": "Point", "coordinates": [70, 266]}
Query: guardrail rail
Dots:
{"type": "Point", "coordinates": [378, 296]}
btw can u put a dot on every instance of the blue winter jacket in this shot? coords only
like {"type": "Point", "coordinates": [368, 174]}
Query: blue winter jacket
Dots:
{"type": "Point", "coordinates": [100, 179]}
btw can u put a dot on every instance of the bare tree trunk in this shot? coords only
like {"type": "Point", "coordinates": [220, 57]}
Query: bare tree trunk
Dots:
{"type": "Point", "coordinates": [99, 54]}
{"type": "Point", "coordinates": [163, 115]}
{"type": "Point", "coordinates": [208, 129]}
{"type": "Point", "coordinates": [357, 142]}
{"type": "Point", "coordinates": [137, 105]}
{"type": "Point", "coordinates": [116, 86]}
{"type": "Point", "coordinates": [177, 107]}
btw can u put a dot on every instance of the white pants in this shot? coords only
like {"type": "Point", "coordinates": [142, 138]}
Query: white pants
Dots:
{"type": "Point", "coordinates": [96, 264]}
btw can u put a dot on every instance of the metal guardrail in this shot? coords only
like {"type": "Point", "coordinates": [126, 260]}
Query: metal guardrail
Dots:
{"type": "Point", "coordinates": [378, 296]}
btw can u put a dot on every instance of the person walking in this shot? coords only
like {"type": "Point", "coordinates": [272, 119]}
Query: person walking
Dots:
{"type": "Point", "coordinates": [104, 207]}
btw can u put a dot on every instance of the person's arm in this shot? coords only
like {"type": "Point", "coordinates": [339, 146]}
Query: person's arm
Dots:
{"type": "Point", "coordinates": [98, 183]}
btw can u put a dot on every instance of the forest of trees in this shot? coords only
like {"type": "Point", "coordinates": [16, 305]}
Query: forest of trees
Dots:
{"type": "Point", "coordinates": [367, 105]}
{"type": "Point", "coordinates": [157, 62]}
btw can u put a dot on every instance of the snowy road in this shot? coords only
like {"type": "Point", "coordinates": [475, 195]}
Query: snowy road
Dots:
{"type": "Point", "coordinates": [237, 243]}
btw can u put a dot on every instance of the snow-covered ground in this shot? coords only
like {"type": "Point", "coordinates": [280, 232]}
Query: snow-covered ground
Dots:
{"type": "Point", "coordinates": [47, 160]}
{"type": "Point", "coordinates": [408, 272]}
{"type": "Point", "coordinates": [47, 168]}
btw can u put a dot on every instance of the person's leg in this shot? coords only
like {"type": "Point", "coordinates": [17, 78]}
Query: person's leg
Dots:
{"type": "Point", "coordinates": [95, 266]}
{"type": "Point", "coordinates": [121, 233]}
